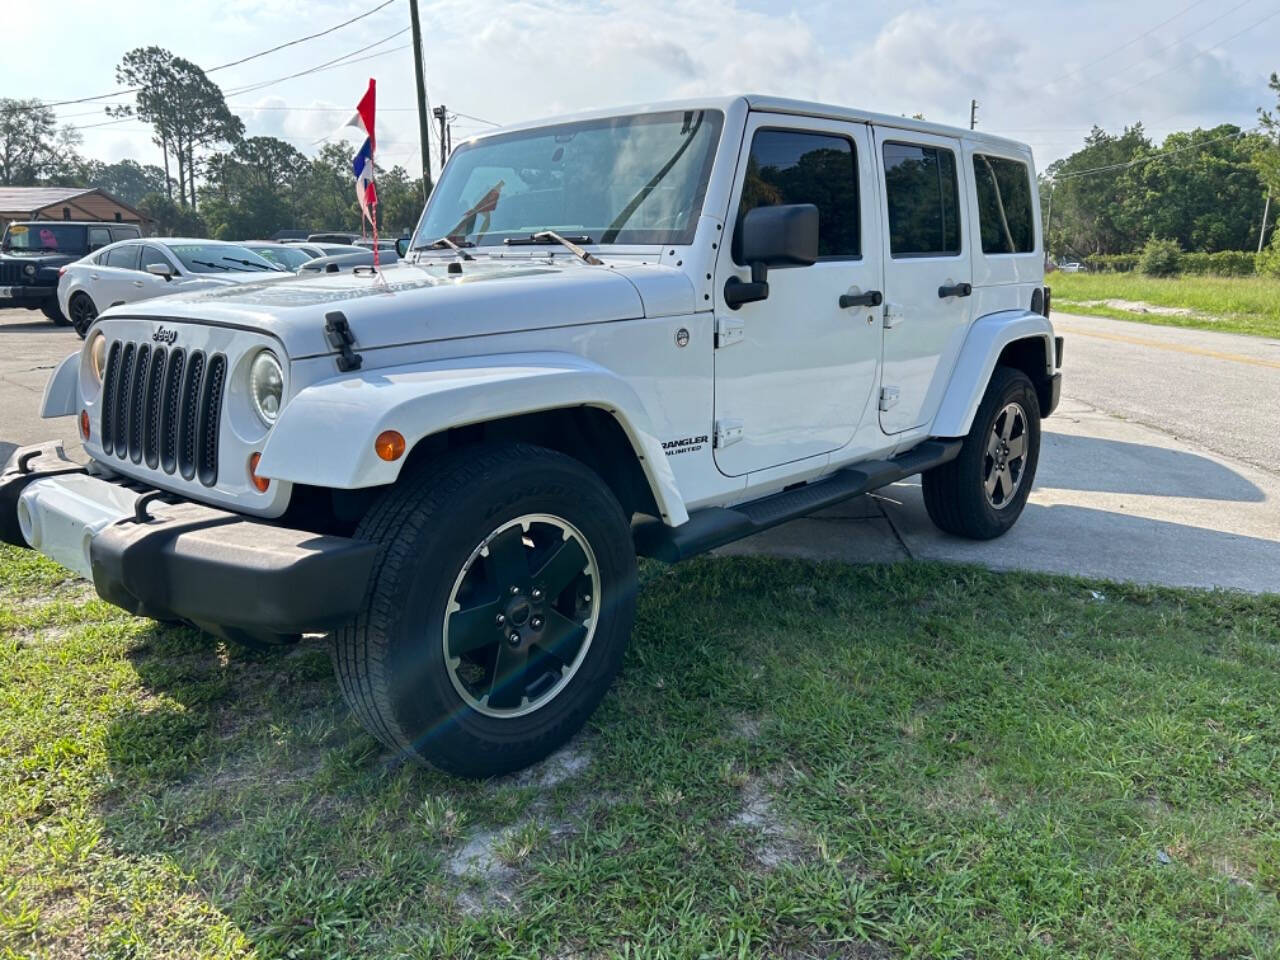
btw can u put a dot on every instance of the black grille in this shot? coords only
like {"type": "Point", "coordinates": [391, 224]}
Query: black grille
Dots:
{"type": "Point", "coordinates": [11, 273]}
{"type": "Point", "coordinates": [162, 406]}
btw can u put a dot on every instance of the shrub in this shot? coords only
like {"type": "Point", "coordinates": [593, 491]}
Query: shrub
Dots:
{"type": "Point", "coordinates": [1224, 263]}
{"type": "Point", "coordinates": [1269, 259]}
{"type": "Point", "coordinates": [1112, 262]}
{"type": "Point", "coordinates": [1160, 258]}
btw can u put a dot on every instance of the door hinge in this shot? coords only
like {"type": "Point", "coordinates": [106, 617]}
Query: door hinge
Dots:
{"type": "Point", "coordinates": [727, 433]}
{"type": "Point", "coordinates": [888, 397]}
{"type": "Point", "coordinates": [892, 315]}
{"type": "Point", "coordinates": [729, 330]}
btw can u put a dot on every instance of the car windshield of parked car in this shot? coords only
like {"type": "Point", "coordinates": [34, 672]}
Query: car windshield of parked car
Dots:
{"type": "Point", "coordinates": [220, 258]}
{"type": "Point", "coordinates": [637, 179]}
{"type": "Point", "coordinates": [43, 238]}
{"type": "Point", "coordinates": [291, 258]}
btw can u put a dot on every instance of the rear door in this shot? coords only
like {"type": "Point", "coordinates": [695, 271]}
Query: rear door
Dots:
{"type": "Point", "coordinates": [927, 271]}
{"type": "Point", "coordinates": [794, 372]}
{"type": "Point", "coordinates": [115, 278]}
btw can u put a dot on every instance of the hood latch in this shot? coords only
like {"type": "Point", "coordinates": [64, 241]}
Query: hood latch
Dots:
{"type": "Point", "coordinates": [340, 337]}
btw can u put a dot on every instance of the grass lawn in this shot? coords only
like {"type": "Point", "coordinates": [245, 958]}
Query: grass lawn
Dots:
{"type": "Point", "coordinates": [799, 760]}
{"type": "Point", "coordinates": [1232, 304]}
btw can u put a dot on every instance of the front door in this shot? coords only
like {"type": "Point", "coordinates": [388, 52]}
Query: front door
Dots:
{"type": "Point", "coordinates": [926, 273]}
{"type": "Point", "coordinates": [793, 372]}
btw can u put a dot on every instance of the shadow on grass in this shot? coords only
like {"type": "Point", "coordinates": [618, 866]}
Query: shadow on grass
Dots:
{"type": "Point", "coordinates": [797, 759]}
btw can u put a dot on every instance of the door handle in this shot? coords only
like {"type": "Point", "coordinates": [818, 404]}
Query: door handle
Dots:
{"type": "Point", "coordinates": [872, 298]}
{"type": "Point", "coordinates": [955, 290]}
{"type": "Point", "coordinates": [137, 283]}
{"type": "Point", "coordinates": [94, 276]}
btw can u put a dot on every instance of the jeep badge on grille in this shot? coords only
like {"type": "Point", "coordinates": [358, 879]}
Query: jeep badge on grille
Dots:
{"type": "Point", "coordinates": [164, 336]}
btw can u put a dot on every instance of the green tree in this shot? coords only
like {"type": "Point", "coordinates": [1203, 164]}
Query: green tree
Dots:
{"type": "Point", "coordinates": [255, 189]}
{"type": "Point", "coordinates": [126, 180]}
{"type": "Point", "coordinates": [32, 148]}
{"type": "Point", "coordinates": [184, 107]}
{"type": "Point", "coordinates": [400, 201]}
{"type": "Point", "coordinates": [1089, 212]}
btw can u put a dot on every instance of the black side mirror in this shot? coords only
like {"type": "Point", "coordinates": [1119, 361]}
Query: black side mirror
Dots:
{"type": "Point", "coordinates": [402, 247]}
{"type": "Point", "coordinates": [779, 236]}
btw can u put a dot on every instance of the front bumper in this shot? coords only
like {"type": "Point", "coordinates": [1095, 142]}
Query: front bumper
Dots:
{"type": "Point", "coordinates": [26, 295]}
{"type": "Point", "coordinates": [241, 579]}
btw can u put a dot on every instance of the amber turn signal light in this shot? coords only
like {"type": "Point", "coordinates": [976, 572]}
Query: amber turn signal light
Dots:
{"type": "Point", "coordinates": [259, 483]}
{"type": "Point", "coordinates": [84, 424]}
{"type": "Point", "coordinates": [389, 445]}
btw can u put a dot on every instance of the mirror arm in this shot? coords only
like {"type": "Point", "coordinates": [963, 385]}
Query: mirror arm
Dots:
{"type": "Point", "coordinates": [738, 292]}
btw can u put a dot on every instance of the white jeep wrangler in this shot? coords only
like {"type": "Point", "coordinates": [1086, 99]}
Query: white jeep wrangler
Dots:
{"type": "Point", "coordinates": [648, 331]}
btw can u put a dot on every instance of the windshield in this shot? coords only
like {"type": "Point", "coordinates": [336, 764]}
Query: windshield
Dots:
{"type": "Point", "coordinates": [219, 258]}
{"type": "Point", "coordinates": [291, 258]}
{"type": "Point", "coordinates": [638, 179]}
{"type": "Point", "coordinates": [43, 237]}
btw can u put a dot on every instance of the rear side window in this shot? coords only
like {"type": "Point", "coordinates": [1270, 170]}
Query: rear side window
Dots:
{"type": "Point", "coordinates": [1004, 205]}
{"type": "Point", "coordinates": [98, 237]}
{"type": "Point", "coordinates": [924, 200]}
{"type": "Point", "coordinates": [124, 233]}
{"type": "Point", "coordinates": [790, 166]}
{"type": "Point", "coordinates": [125, 256]}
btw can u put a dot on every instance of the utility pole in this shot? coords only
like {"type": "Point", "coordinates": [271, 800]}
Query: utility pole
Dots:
{"type": "Point", "coordinates": [1266, 211]}
{"type": "Point", "coordinates": [441, 113]}
{"type": "Point", "coordinates": [973, 114]}
{"type": "Point", "coordinates": [421, 76]}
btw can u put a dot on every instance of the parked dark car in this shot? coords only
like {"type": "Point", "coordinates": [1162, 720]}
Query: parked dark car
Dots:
{"type": "Point", "coordinates": [33, 253]}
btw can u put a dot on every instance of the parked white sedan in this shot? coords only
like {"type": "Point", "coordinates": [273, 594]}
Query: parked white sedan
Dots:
{"type": "Point", "coordinates": [141, 269]}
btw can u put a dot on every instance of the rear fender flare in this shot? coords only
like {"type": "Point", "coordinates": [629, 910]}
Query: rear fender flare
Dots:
{"type": "Point", "coordinates": [986, 339]}
{"type": "Point", "coordinates": [326, 432]}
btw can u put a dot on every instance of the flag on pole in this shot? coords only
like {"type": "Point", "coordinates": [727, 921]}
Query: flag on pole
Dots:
{"type": "Point", "coordinates": [362, 163]}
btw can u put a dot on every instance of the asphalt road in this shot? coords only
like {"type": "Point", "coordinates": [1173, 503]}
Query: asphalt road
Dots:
{"type": "Point", "coordinates": [1162, 465]}
{"type": "Point", "coordinates": [1218, 390]}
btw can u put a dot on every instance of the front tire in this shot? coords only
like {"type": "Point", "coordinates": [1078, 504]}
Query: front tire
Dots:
{"type": "Point", "coordinates": [981, 493]}
{"type": "Point", "coordinates": [498, 611]}
{"type": "Point", "coordinates": [52, 311]}
{"type": "Point", "coordinates": [83, 313]}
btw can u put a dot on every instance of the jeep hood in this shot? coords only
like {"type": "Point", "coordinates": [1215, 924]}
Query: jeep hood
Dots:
{"type": "Point", "coordinates": [417, 303]}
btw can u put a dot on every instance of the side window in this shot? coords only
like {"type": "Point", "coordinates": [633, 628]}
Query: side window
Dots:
{"type": "Point", "coordinates": [123, 233]}
{"type": "Point", "coordinates": [124, 256]}
{"type": "Point", "coordinates": [98, 237]}
{"type": "Point", "coordinates": [924, 200]}
{"type": "Point", "coordinates": [788, 166]}
{"type": "Point", "coordinates": [1004, 205]}
{"type": "Point", "coordinates": [152, 255]}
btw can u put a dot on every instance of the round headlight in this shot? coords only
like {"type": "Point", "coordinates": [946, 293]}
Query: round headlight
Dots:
{"type": "Point", "coordinates": [97, 357]}
{"type": "Point", "coordinates": [266, 386]}
{"type": "Point", "coordinates": [29, 269]}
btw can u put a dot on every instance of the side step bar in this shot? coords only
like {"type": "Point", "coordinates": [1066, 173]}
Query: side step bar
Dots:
{"type": "Point", "coordinates": [713, 527]}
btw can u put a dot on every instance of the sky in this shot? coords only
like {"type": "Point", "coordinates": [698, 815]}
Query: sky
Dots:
{"type": "Point", "coordinates": [1043, 72]}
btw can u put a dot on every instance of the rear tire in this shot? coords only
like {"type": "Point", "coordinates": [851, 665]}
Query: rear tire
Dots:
{"type": "Point", "coordinates": [466, 547]}
{"type": "Point", "coordinates": [51, 310]}
{"type": "Point", "coordinates": [83, 313]}
{"type": "Point", "coordinates": [981, 493]}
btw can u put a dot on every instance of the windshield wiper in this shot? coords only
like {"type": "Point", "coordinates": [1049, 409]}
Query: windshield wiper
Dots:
{"type": "Point", "coordinates": [550, 236]}
{"type": "Point", "coordinates": [455, 247]}
{"type": "Point", "coordinates": [210, 263]}
{"type": "Point", "coordinates": [250, 263]}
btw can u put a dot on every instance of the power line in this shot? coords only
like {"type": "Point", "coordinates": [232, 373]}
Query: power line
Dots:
{"type": "Point", "coordinates": [222, 66]}
{"type": "Point", "coordinates": [1148, 159]}
{"type": "Point", "coordinates": [1125, 46]}
{"type": "Point", "coordinates": [336, 61]}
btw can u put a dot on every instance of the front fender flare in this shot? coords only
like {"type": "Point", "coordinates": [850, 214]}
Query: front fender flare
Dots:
{"type": "Point", "coordinates": [325, 434]}
{"type": "Point", "coordinates": [987, 337]}
{"type": "Point", "coordinates": [62, 390]}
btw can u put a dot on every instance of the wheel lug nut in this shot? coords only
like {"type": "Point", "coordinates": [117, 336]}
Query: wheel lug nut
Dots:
{"type": "Point", "coordinates": [514, 590]}
{"type": "Point", "coordinates": [536, 623]}
{"type": "Point", "coordinates": [536, 595]}
{"type": "Point", "coordinates": [514, 639]}
{"type": "Point", "coordinates": [501, 619]}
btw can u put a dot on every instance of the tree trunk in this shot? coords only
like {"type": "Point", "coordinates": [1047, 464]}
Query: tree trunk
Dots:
{"type": "Point", "coordinates": [191, 166]}
{"type": "Point", "coordinates": [182, 170]}
{"type": "Point", "coordinates": [168, 182]}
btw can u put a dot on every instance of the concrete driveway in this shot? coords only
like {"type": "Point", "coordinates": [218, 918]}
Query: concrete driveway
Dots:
{"type": "Point", "coordinates": [1161, 465]}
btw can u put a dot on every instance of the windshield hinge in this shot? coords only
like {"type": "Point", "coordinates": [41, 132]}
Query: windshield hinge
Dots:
{"type": "Point", "coordinates": [729, 330]}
